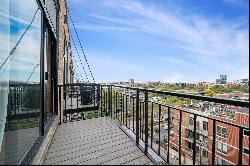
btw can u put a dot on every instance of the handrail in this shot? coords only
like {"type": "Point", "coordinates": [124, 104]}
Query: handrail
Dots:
{"type": "Point", "coordinates": [196, 97]}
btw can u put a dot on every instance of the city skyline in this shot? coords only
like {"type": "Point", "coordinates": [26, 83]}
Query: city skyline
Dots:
{"type": "Point", "coordinates": [167, 41]}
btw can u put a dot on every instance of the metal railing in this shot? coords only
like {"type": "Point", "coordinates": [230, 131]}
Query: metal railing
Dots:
{"type": "Point", "coordinates": [23, 106]}
{"type": "Point", "coordinates": [76, 99]}
{"type": "Point", "coordinates": [153, 122]}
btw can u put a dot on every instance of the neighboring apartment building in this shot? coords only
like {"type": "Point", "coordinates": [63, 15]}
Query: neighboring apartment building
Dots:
{"type": "Point", "coordinates": [227, 139]}
{"type": "Point", "coordinates": [35, 56]}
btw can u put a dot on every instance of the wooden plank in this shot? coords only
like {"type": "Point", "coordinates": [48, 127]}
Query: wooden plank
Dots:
{"type": "Point", "coordinates": [93, 141]}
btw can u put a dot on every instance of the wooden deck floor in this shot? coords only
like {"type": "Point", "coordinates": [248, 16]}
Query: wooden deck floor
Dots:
{"type": "Point", "coordinates": [96, 141]}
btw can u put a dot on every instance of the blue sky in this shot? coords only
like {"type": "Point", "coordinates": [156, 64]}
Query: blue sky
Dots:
{"type": "Point", "coordinates": [160, 40]}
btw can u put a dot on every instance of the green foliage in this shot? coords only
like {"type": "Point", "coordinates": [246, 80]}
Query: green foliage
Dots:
{"type": "Point", "coordinates": [172, 100]}
{"type": "Point", "coordinates": [221, 89]}
{"type": "Point", "coordinates": [209, 92]}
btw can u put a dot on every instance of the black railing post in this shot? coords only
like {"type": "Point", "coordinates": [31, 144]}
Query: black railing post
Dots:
{"type": "Point", "coordinates": [133, 115]}
{"type": "Point", "coordinates": [126, 110]}
{"type": "Point", "coordinates": [169, 128]}
{"type": "Point", "coordinates": [159, 147]}
{"type": "Point", "coordinates": [180, 131]}
{"type": "Point", "coordinates": [93, 95]}
{"type": "Point", "coordinates": [101, 99]}
{"type": "Point", "coordinates": [152, 123]}
{"type": "Point", "coordinates": [137, 116]}
{"type": "Point", "coordinates": [129, 114]}
{"type": "Point", "coordinates": [77, 102]}
{"type": "Point", "coordinates": [123, 111]}
{"type": "Point", "coordinates": [120, 103]}
{"type": "Point", "coordinates": [213, 142]}
{"type": "Point", "coordinates": [240, 146]}
{"type": "Point", "coordinates": [116, 103]}
{"type": "Point", "coordinates": [140, 117]}
{"type": "Point", "coordinates": [194, 139]}
{"type": "Point", "coordinates": [65, 106]}
{"type": "Point", "coordinates": [111, 102]}
{"type": "Point", "coordinates": [106, 103]}
{"type": "Point", "coordinates": [146, 121]}
{"type": "Point", "coordinates": [60, 103]}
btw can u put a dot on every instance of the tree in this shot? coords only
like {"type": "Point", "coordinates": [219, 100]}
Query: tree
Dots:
{"type": "Point", "coordinates": [209, 92]}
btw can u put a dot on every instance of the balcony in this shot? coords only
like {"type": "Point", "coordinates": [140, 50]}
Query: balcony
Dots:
{"type": "Point", "coordinates": [121, 128]}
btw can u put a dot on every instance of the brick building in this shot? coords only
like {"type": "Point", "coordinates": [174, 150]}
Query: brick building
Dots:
{"type": "Point", "coordinates": [227, 140]}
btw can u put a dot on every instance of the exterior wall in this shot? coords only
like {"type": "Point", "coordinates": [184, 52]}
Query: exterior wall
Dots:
{"type": "Point", "coordinates": [63, 34]}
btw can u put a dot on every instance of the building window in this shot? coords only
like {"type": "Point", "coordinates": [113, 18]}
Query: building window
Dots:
{"type": "Point", "coordinates": [246, 151]}
{"type": "Point", "coordinates": [205, 126]}
{"type": "Point", "coordinates": [221, 131]}
{"type": "Point", "coordinates": [220, 161]}
{"type": "Point", "coordinates": [191, 121]}
{"type": "Point", "coordinates": [178, 117]}
{"type": "Point", "coordinates": [189, 145]}
{"type": "Point", "coordinates": [204, 153]}
{"type": "Point", "coordinates": [177, 127]}
{"type": "Point", "coordinates": [221, 147]}
{"type": "Point", "coordinates": [246, 133]}
{"type": "Point", "coordinates": [190, 134]}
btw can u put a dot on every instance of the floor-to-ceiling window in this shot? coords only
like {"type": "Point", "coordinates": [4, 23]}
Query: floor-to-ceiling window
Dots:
{"type": "Point", "coordinates": [4, 64]}
{"type": "Point", "coordinates": [19, 77]}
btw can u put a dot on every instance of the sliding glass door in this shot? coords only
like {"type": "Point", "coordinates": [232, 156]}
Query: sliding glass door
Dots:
{"type": "Point", "coordinates": [19, 78]}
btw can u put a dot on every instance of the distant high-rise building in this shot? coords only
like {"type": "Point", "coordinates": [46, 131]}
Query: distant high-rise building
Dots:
{"type": "Point", "coordinates": [244, 81]}
{"type": "Point", "coordinates": [222, 79]}
{"type": "Point", "coordinates": [131, 82]}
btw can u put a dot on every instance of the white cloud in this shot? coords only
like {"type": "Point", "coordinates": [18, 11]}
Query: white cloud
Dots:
{"type": "Point", "coordinates": [223, 44]}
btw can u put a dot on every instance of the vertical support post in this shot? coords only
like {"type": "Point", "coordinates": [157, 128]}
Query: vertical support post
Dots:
{"type": "Point", "coordinates": [101, 99]}
{"type": "Point", "coordinates": [140, 117]}
{"type": "Point", "coordinates": [137, 116]}
{"type": "Point", "coordinates": [65, 100]}
{"type": "Point", "coordinates": [42, 78]}
{"type": "Point", "coordinates": [159, 146]}
{"type": "Point", "coordinates": [213, 142]}
{"type": "Point", "coordinates": [129, 120]}
{"type": "Point", "coordinates": [180, 121]}
{"type": "Point", "coordinates": [94, 98]}
{"type": "Point", "coordinates": [146, 121]}
{"type": "Point", "coordinates": [60, 110]}
{"type": "Point", "coordinates": [123, 111]}
{"type": "Point", "coordinates": [111, 102]}
{"type": "Point", "coordinates": [106, 102]}
{"type": "Point", "coordinates": [116, 103]}
{"type": "Point", "coordinates": [169, 128]}
{"type": "Point", "coordinates": [77, 102]}
{"type": "Point", "coordinates": [240, 146]}
{"type": "Point", "coordinates": [194, 138]}
{"type": "Point", "coordinates": [126, 98]}
{"type": "Point", "coordinates": [120, 103]}
{"type": "Point", "coordinates": [133, 115]}
{"type": "Point", "coordinates": [152, 123]}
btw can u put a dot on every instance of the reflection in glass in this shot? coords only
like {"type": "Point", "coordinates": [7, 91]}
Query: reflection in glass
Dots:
{"type": "Point", "coordinates": [4, 64]}
{"type": "Point", "coordinates": [23, 79]}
